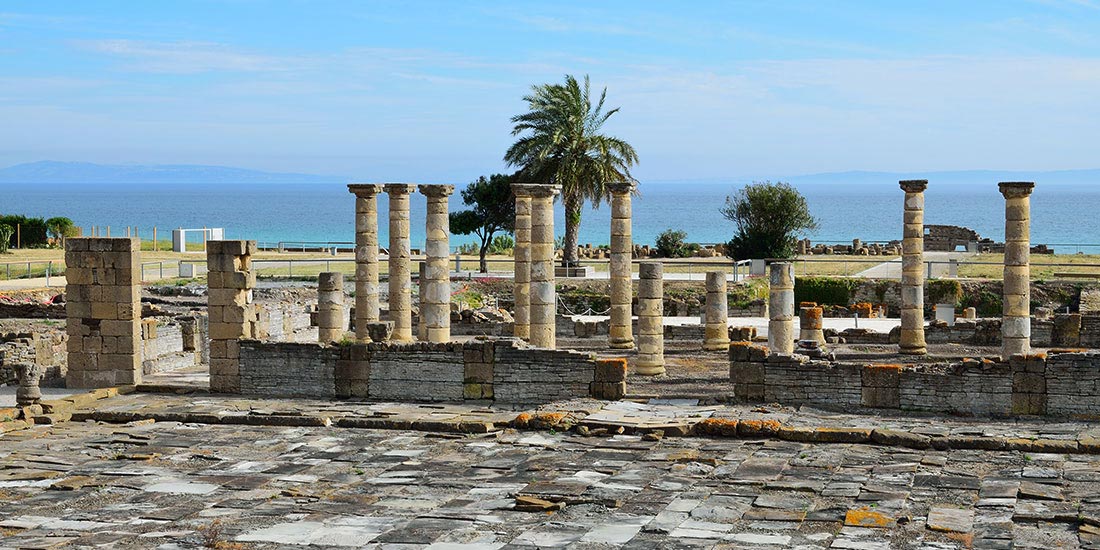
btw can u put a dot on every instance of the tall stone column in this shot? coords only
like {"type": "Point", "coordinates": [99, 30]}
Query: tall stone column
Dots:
{"type": "Point", "coordinates": [781, 308]}
{"type": "Point", "coordinates": [400, 284]}
{"type": "Point", "coordinates": [1016, 322]}
{"type": "Point", "coordinates": [912, 270]}
{"type": "Point", "coordinates": [651, 325]}
{"type": "Point", "coordinates": [436, 290]}
{"type": "Point", "coordinates": [544, 305]}
{"type": "Point", "coordinates": [521, 287]}
{"type": "Point", "coordinates": [619, 333]}
{"type": "Point", "coordinates": [716, 330]}
{"type": "Point", "coordinates": [330, 307]}
{"type": "Point", "coordinates": [366, 256]}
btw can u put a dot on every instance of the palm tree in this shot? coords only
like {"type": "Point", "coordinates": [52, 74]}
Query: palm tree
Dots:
{"type": "Point", "coordinates": [565, 147]}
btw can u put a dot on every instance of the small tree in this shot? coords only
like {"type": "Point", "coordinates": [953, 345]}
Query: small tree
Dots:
{"type": "Point", "coordinates": [60, 228]}
{"type": "Point", "coordinates": [670, 244]}
{"type": "Point", "coordinates": [494, 209]}
{"type": "Point", "coordinates": [768, 218]}
{"type": "Point", "coordinates": [6, 232]}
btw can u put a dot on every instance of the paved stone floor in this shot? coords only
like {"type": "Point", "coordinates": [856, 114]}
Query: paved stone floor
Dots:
{"type": "Point", "coordinates": [171, 485]}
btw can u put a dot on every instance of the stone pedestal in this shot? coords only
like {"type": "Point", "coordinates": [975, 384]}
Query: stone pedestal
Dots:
{"type": "Point", "coordinates": [400, 276]}
{"type": "Point", "coordinates": [619, 331]}
{"type": "Point", "coordinates": [912, 270]}
{"type": "Point", "coordinates": [28, 393]}
{"type": "Point", "coordinates": [366, 256]}
{"type": "Point", "coordinates": [521, 288]}
{"type": "Point", "coordinates": [1016, 324]}
{"type": "Point", "coordinates": [233, 316]}
{"type": "Point", "coordinates": [781, 308]}
{"type": "Point", "coordinates": [330, 307]}
{"type": "Point", "coordinates": [543, 294]}
{"type": "Point", "coordinates": [810, 326]}
{"type": "Point", "coordinates": [435, 291]}
{"type": "Point", "coordinates": [651, 325]}
{"type": "Point", "coordinates": [716, 329]}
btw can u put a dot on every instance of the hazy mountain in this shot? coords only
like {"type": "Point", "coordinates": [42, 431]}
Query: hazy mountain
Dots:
{"type": "Point", "coordinates": [85, 172]}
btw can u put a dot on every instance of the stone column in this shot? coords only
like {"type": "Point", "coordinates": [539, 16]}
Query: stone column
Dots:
{"type": "Point", "coordinates": [544, 305]}
{"type": "Point", "coordinates": [233, 316]}
{"type": "Point", "coordinates": [1016, 322]}
{"type": "Point", "coordinates": [810, 324]}
{"type": "Point", "coordinates": [912, 270]}
{"type": "Point", "coordinates": [651, 325]}
{"type": "Point", "coordinates": [521, 278]}
{"type": "Point", "coordinates": [103, 308]}
{"type": "Point", "coordinates": [400, 276]}
{"type": "Point", "coordinates": [435, 292]}
{"type": "Point", "coordinates": [366, 256]}
{"type": "Point", "coordinates": [330, 307]}
{"type": "Point", "coordinates": [619, 332]}
{"type": "Point", "coordinates": [421, 278]}
{"type": "Point", "coordinates": [716, 330]}
{"type": "Point", "coordinates": [781, 308]}
{"type": "Point", "coordinates": [28, 393]}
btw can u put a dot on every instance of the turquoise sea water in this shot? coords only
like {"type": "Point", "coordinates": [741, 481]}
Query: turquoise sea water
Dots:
{"type": "Point", "coordinates": [1061, 213]}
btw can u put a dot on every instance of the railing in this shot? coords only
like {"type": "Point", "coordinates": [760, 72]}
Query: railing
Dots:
{"type": "Point", "coordinates": [307, 246]}
{"type": "Point", "coordinates": [847, 266]}
{"type": "Point", "coordinates": [31, 270]}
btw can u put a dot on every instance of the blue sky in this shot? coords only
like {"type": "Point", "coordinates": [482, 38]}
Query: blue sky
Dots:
{"type": "Point", "coordinates": [423, 91]}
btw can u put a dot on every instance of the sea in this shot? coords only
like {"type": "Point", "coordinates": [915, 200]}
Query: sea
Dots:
{"type": "Point", "coordinates": [1063, 215]}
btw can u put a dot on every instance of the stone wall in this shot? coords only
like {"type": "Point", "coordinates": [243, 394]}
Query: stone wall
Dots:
{"type": "Point", "coordinates": [45, 347]}
{"type": "Point", "coordinates": [173, 343]}
{"type": "Point", "coordinates": [503, 370]}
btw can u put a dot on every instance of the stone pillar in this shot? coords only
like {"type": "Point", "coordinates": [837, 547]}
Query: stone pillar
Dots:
{"type": "Point", "coordinates": [619, 332]}
{"type": "Point", "coordinates": [544, 305]}
{"type": "Point", "coordinates": [28, 393]}
{"type": "Point", "coordinates": [521, 278]}
{"type": "Point", "coordinates": [400, 271]}
{"type": "Point", "coordinates": [716, 330]}
{"type": "Point", "coordinates": [651, 322]}
{"type": "Point", "coordinates": [233, 316]}
{"type": "Point", "coordinates": [810, 325]}
{"type": "Point", "coordinates": [912, 270]}
{"type": "Point", "coordinates": [421, 328]}
{"type": "Point", "coordinates": [103, 308]}
{"type": "Point", "coordinates": [435, 292]}
{"type": "Point", "coordinates": [1016, 324]}
{"type": "Point", "coordinates": [330, 307]}
{"type": "Point", "coordinates": [781, 308]}
{"type": "Point", "coordinates": [366, 256]}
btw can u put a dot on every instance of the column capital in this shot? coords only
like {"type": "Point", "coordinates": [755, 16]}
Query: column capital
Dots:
{"type": "Point", "coordinates": [913, 186]}
{"type": "Point", "coordinates": [399, 188]}
{"type": "Point", "coordinates": [622, 187]}
{"type": "Point", "coordinates": [436, 190]}
{"type": "Point", "coordinates": [365, 189]}
{"type": "Point", "coordinates": [1016, 189]}
{"type": "Point", "coordinates": [535, 190]}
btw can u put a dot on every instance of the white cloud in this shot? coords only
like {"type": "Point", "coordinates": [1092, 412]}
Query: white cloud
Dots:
{"type": "Point", "coordinates": [186, 57]}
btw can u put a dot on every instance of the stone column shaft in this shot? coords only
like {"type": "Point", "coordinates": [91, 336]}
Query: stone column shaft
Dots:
{"type": "Point", "coordinates": [521, 288]}
{"type": "Point", "coordinates": [330, 307]}
{"type": "Point", "coordinates": [435, 292]}
{"type": "Point", "coordinates": [810, 324]}
{"type": "Point", "coordinates": [716, 329]}
{"type": "Point", "coordinates": [400, 277]}
{"type": "Point", "coordinates": [543, 298]}
{"type": "Point", "coordinates": [619, 332]}
{"type": "Point", "coordinates": [912, 270]}
{"type": "Point", "coordinates": [366, 256]}
{"type": "Point", "coordinates": [1016, 322]}
{"type": "Point", "coordinates": [651, 326]}
{"type": "Point", "coordinates": [781, 308]}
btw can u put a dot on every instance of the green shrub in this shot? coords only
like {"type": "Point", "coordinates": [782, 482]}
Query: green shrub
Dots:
{"type": "Point", "coordinates": [943, 291]}
{"type": "Point", "coordinates": [502, 244]}
{"type": "Point", "coordinates": [831, 291]}
{"type": "Point", "coordinates": [467, 249]}
{"type": "Point", "coordinates": [31, 231]}
{"type": "Point", "coordinates": [670, 244]}
{"type": "Point", "coordinates": [6, 231]}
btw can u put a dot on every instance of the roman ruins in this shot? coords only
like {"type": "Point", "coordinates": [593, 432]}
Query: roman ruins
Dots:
{"type": "Point", "coordinates": [651, 328]}
{"type": "Point", "coordinates": [400, 271]}
{"type": "Point", "coordinates": [435, 289]}
{"type": "Point", "coordinates": [366, 256]}
{"type": "Point", "coordinates": [1016, 324]}
{"type": "Point", "coordinates": [620, 267]}
{"type": "Point", "coordinates": [716, 315]}
{"type": "Point", "coordinates": [912, 269]}
{"type": "Point", "coordinates": [781, 307]}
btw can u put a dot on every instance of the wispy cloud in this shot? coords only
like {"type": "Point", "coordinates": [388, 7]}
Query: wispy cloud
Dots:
{"type": "Point", "coordinates": [187, 57]}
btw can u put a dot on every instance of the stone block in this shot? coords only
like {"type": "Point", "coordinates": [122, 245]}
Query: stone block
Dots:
{"type": "Point", "coordinates": [610, 370]}
{"type": "Point", "coordinates": [884, 397]}
{"type": "Point", "coordinates": [612, 391]}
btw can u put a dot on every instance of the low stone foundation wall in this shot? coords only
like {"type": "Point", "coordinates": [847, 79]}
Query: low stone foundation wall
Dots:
{"type": "Point", "coordinates": [1061, 384]}
{"type": "Point", "coordinates": [503, 370]}
{"type": "Point", "coordinates": [45, 348]}
{"type": "Point", "coordinates": [169, 343]}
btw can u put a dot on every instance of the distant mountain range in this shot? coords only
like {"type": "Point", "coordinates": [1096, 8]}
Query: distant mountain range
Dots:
{"type": "Point", "coordinates": [85, 172]}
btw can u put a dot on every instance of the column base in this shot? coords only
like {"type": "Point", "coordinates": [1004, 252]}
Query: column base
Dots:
{"type": "Point", "coordinates": [649, 370]}
{"type": "Point", "coordinates": [913, 351]}
{"type": "Point", "coordinates": [619, 343]}
{"type": "Point", "coordinates": [717, 345]}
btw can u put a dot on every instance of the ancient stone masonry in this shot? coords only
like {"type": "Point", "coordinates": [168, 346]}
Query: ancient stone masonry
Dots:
{"type": "Point", "coordinates": [781, 308]}
{"type": "Point", "coordinates": [947, 238]}
{"type": "Point", "coordinates": [716, 336]}
{"type": "Point", "coordinates": [330, 307]}
{"type": "Point", "coordinates": [810, 325]}
{"type": "Point", "coordinates": [521, 288]}
{"type": "Point", "coordinates": [366, 256]}
{"type": "Point", "coordinates": [103, 306]}
{"type": "Point", "coordinates": [400, 270]}
{"type": "Point", "coordinates": [620, 336]}
{"type": "Point", "coordinates": [912, 270]}
{"type": "Point", "coordinates": [1016, 327]}
{"type": "Point", "coordinates": [232, 315]}
{"type": "Point", "coordinates": [651, 333]}
{"type": "Point", "coordinates": [543, 295]}
{"type": "Point", "coordinates": [435, 289]}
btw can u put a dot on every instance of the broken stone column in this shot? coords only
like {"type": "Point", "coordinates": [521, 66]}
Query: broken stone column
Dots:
{"type": "Point", "coordinates": [781, 308]}
{"type": "Point", "coordinates": [400, 276]}
{"type": "Point", "coordinates": [28, 393]}
{"type": "Point", "coordinates": [912, 270]}
{"type": "Point", "coordinates": [366, 256]}
{"type": "Point", "coordinates": [330, 307]}
{"type": "Point", "coordinates": [521, 279]}
{"type": "Point", "coordinates": [810, 324]}
{"type": "Point", "coordinates": [716, 330]}
{"type": "Point", "coordinates": [544, 305]}
{"type": "Point", "coordinates": [1016, 324]}
{"type": "Point", "coordinates": [619, 331]}
{"type": "Point", "coordinates": [651, 326]}
{"type": "Point", "coordinates": [435, 291]}
{"type": "Point", "coordinates": [103, 308]}
{"type": "Point", "coordinates": [232, 315]}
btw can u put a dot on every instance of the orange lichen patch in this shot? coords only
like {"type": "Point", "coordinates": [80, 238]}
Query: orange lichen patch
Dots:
{"type": "Point", "coordinates": [807, 304]}
{"type": "Point", "coordinates": [864, 309]}
{"type": "Point", "coordinates": [726, 427]}
{"type": "Point", "coordinates": [758, 427]}
{"type": "Point", "coordinates": [521, 420]}
{"type": "Point", "coordinates": [1067, 350]}
{"type": "Point", "coordinates": [865, 517]}
{"type": "Point", "coordinates": [613, 362]}
{"type": "Point", "coordinates": [813, 313]}
{"type": "Point", "coordinates": [1039, 355]}
{"type": "Point", "coordinates": [884, 366]}
{"type": "Point", "coordinates": [967, 539]}
{"type": "Point", "coordinates": [741, 344]}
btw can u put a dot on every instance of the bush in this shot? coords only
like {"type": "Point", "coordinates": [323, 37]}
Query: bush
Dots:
{"type": "Point", "coordinates": [32, 231]}
{"type": "Point", "coordinates": [502, 244]}
{"type": "Point", "coordinates": [467, 249]}
{"type": "Point", "coordinates": [6, 231]}
{"type": "Point", "coordinates": [943, 291]}
{"type": "Point", "coordinates": [768, 218]}
{"type": "Point", "coordinates": [830, 291]}
{"type": "Point", "coordinates": [60, 228]}
{"type": "Point", "coordinates": [670, 244]}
